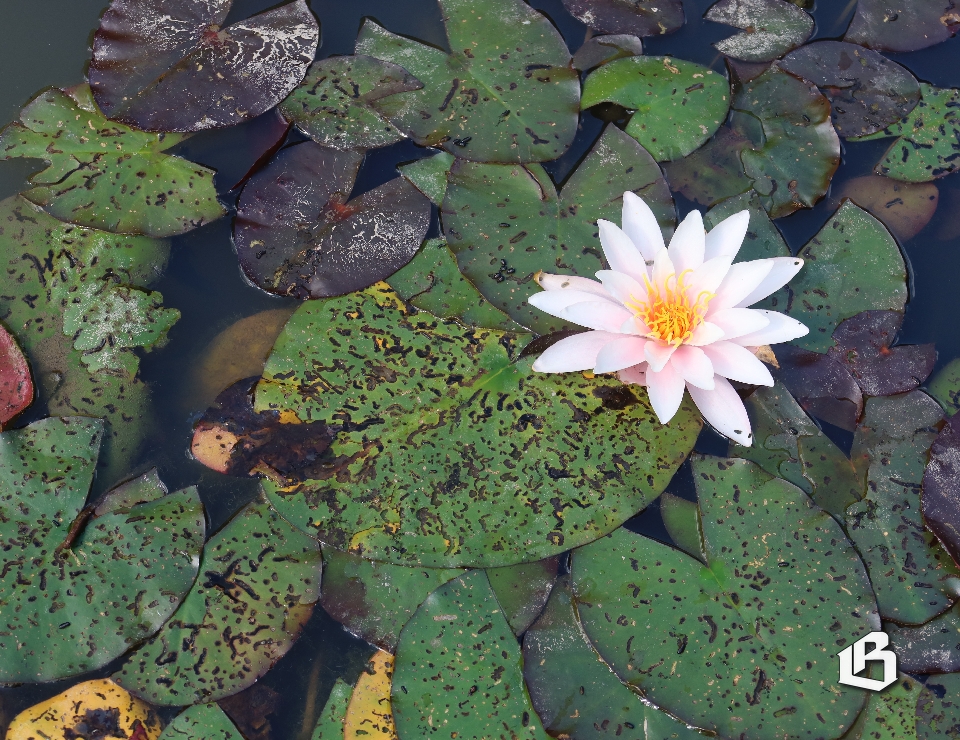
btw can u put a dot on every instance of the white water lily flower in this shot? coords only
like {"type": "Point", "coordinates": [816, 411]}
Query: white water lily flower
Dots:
{"type": "Point", "coordinates": [673, 318]}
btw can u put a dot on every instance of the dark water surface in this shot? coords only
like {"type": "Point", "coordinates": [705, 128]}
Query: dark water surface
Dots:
{"type": "Point", "coordinates": [46, 42]}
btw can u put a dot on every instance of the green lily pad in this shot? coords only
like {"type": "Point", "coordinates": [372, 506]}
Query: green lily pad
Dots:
{"type": "Point", "coordinates": [459, 668]}
{"type": "Point", "coordinates": [506, 93]}
{"type": "Point", "coordinates": [63, 614]}
{"type": "Point", "coordinates": [938, 708]}
{"type": "Point", "coordinates": [790, 446]}
{"type": "Point", "coordinates": [451, 453]}
{"type": "Point", "coordinates": [771, 28]}
{"type": "Point", "coordinates": [713, 173]}
{"type": "Point", "coordinates": [913, 576]}
{"type": "Point", "coordinates": [258, 582]}
{"type": "Point", "coordinates": [927, 147]}
{"type": "Point", "coordinates": [106, 175]}
{"type": "Point", "coordinates": [747, 642]}
{"type": "Point", "coordinates": [574, 691]}
{"type": "Point", "coordinates": [330, 723]}
{"type": "Point", "coordinates": [852, 265]}
{"type": "Point", "coordinates": [678, 104]}
{"type": "Point", "coordinates": [638, 17]}
{"type": "Point", "coordinates": [201, 722]}
{"type": "Point", "coordinates": [334, 103]}
{"type": "Point", "coordinates": [598, 50]}
{"type": "Point", "coordinates": [523, 590]}
{"type": "Point", "coordinates": [945, 387]}
{"type": "Point", "coordinates": [890, 714]}
{"type": "Point", "coordinates": [906, 26]}
{"type": "Point", "coordinates": [432, 282]}
{"type": "Point", "coordinates": [506, 223]}
{"type": "Point", "coordinates": [429, 175]}
{"type": "Point", "coordinates": [930, 647]}
{"type": "Point", "coordinates": [682, 520]}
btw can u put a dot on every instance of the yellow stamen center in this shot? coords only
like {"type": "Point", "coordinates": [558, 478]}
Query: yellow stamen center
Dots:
{"type": "Point", "coordinates": [670, 312]}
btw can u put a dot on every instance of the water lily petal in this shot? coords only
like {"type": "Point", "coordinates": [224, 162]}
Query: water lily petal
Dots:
{"type": "Point", "coordinates": [705, 334]}
{"type": "Point", "coordinates": [555, 301]}
{"type": "Point", "coordinates": [727, 236]}
{"type": "Point", "coordinates": [665, 389]}
{"type": "Point", "coordinates": [708, 277]}
{"type": "Point", "coordinates": [601, 315]}
{"type": "Point", "coordinates": [621, 254]}
{"type": "Point", "coordinates": [737, 363]}
{"type": "Point", "coordinates": [570, 354]}
{"type": "Point", "coordinates": [622, 287]}
{"type": "Point", "coordinates": [635, 375]}
{"type": "Point", "coordinates": [635, 325]}
{"type": "Point", "coordinates": [740, 281]}
{"type": "Point", "coordinates": [724, 410]}
{"type": "Point", "coordinates": [693, 365]}
{"type": "Point", "coordinates": [736, 322]}
{"type": "Point", "coordinates": [571, 282]}
{"type": "Point", "coordinates": [620, 354]}
{"type": "Point", "coordinates": [779, 328]}
{"type": "Point", "coordinates": [663, 269]}
{"type": "Point", "coordinates": [658, 354]}
{"type": "Point", "coordinates": [782, 272]}
{"type": "Point", "coordinates": [641, 226]}
{"type": "Point", "coordinates": [688, 243]}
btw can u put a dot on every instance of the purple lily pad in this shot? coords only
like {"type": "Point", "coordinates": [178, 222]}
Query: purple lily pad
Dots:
{"type": "Point", "coordinates": [941, 488]}
{"type": "Point", "coordinates": [637, 17]}
{"type": "Point", "coordinates": [906, 25]}
{"type": "Point", "coordinates": [822, 386]}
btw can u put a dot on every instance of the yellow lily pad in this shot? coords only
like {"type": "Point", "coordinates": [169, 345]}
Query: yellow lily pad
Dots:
{"type": "Point", "coordinates": [369, 715]}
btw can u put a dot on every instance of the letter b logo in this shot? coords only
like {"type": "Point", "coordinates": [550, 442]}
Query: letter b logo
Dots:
{"type": "Point", "coordinates": [853, 660]}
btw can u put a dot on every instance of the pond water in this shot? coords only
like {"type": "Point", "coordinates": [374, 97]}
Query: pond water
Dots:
{"type": "Point", "coordinates": [46, 43]}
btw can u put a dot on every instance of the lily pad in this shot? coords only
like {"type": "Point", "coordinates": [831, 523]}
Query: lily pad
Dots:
{"type": "Point", "coordinates": [890, 714]}
{"type": "Point", "coordinates": [429, 175]}
{"type": "Point", "coordinates": [452, 453]}
{"type": "Point", "coordinates": [105, 175]}
{"type": "Point", "coordinates": [713, 173]}
{"type": "Point", "coordinates": [368, 715]}
{"type": "Point", "coordinates": [945, 387]}
{"type": "Point", "coordinates": [523, 590]}
{"type": "Point", "coordinates": [853, 264]}
{"type": "Point", "coordinates": [746, 643]}
{"type": "Point", "coordinates": [678, 104]}
{"type": "Point", "coordinates": [63, 615]}
{"type": "Point", "coordinates": [929, 648]}
{"type": "Point", "coordinates": [868, 92]}
{"type": "Point", "coordinates": [941, 488]}
{"type": "Point", "coordinates": [637, 17]}
{"type": "Point", "coordinates": [823, 387]}
{"type": "Point", "coordinates": [771, 28]}
{"type": "Point", "coordinates": [506, 223]}
{"type": "Point", "coordinates": [938, 709]}
{"type": "Point", "coordinates": [682, 520]}
{"type": "Point", "coordinates": [927, 147]}
{"type": "Point", "coordinates": [297, 235]}
{"type": "Point", "coordinates": [906, 25]}
{"type": "Point", "coordinates": [334, 103]}
{"type": "Point", "coordinates": [259, 579]}
{"type": "Point", "coordinates": [506, 93]}
{"type": "Point", "coordinates": [905, 208]}
{"type": "Point", "coordinates": [330, 723]}
{"type": "Point", "coordinates": [201, 722]}
{"type": "Point", "coordinates": [16, 385]}
{"type": "Point", "coordinates": [598, 50]}
{"type": "Point", "coordinates": [913, 577]}
{"type": "Point", "coordinates": [171, 66]}
{"type": "Point", "coordinates": [432, 282]}
{"type": "Point", "coordinates": [459, 668]}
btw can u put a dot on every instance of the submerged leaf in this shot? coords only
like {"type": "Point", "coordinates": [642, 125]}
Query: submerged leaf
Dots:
{"type": "Point", "coordinates": [523, 590]}
{"type": "Point", "coordinates": [941, 488]}
{"type": "Point", "coordinates": [16, 384]}
{"type": "Point", "coordinates": [598, 50]}
{"type": "Point", "coordinates": [506, 93]}
{"type": "Point", "coordinates": [475, 459]}
{"type": "Point", "coordinates": [906, 25]}
{"type": "Point", "coordinates": [771, 28]}
{"type": "Point", "coordinates": [637, 17]}
{"type": "Point", "coordinates": [297, 235]}
{"type": "Point", "coordinates": [905, 208]}
{"type": "Point", "coordinates": [714, 172]}
{"type": "Point", "coordinates": [201, 722]}
{"type": "Point", "coordinates": [929, 648]}
{"type": "Point", "coordinates": [682, 521]}
{"type": "Point", "coordinates": [945, 387]}
{"type": "Point", "coordinates": [105, 175]}
{"type": "Point", "coordinates": [171, 66]}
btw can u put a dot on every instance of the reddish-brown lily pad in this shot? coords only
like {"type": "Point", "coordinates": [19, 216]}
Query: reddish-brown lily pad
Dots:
{"type": "Point", "coordinates": [904, 25]}
{"type": "Point", "coordinates": [905, 208]}
{"type": "Point", "coordinates": [941, 488]}
{"type": "Point", "coordinates": [16, 385]}
{"type": "Point", "coordinates": [821, 385]}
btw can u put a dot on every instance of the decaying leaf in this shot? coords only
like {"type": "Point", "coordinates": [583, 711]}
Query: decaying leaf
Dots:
{"type": "Point", "coordinates": [16, 384]}
{"type": "Point", "coordinates": [905, 208]}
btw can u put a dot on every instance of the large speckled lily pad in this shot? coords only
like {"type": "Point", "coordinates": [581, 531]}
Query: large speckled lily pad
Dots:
{"type": "Point", "coordinates": [927, 147]}
{"type": "Point", "coordinates": [259, 579]}
{"type": "Point", "coordinates": [747, 642]}
{"type": "Point", "coordinates": [506, 93]}
{"type": "Point", "coordinates": [938, 708]}
{"type": "Point", "coordinates": [678, 104]}
{"type": "Point", "coordinates": [201, 722]}
{"type": "Point", "coordinates": [853, 264]}
{"type": "Point", "coordinates": [459, 669]}
{"type": "Point", "coordinates": [904, 25]}
{"type": "Point", "coordinates": [334, 103]}
{"type": "Point", "coordinates": [890, 714]}
{"type": "Point", "coordinates": [105, 175]}
{"type": "Point", "coordinates": [451, 453]}
{"type": "Point", "coordinates": [913, 576]}
{"type": "Point", "coordinates": [62, 612]}
{"type": "Point", "coordinates": [771, 28]}
{"type": "Point", "coordinates": [173, 66]}
{"type": "Point", "coordinates": [506, 223]}
{"type": "Point", "coordinates": [637, 17]}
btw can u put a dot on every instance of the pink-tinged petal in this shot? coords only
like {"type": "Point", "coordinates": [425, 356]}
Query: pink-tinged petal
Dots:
{"type": "Point", "coordinates": [621, 253]}
{"type": "Point", "coordinates": [736, 322]}
{"type": "Point", "coordinates": [708, 277]}
{"type": "Point", "coordinates": [726, 237]}
{"type": "Point", "coordinates": [740, 281]}
{"type": "Point", "coordinates": [622, 287]}
{"type": "Point", "coordinates": [693, 365]}
{"type": "Point", "coordinates": [736, 363]}
{"type": "Point", "coordinates": [687, 245]}
{"type": "Point", "coordinates": [705, 334]}
{"type": "Point", "coordinates": [570, 354]}
{"type": "Point", "coordinates": [641, 226]}
{"type": "Point", "coordinates": [620, 354]}
{"type": "Point", "coordinates": [663, 270]}
{"type": "Point", "coordinates": [571, 282]}
{"type": "Point", "coordinates": [724, 410]}
{"type": "Point", "coordinates": [665, 389]}
{"type": "Point", "coordinates": [781, 273]}
{"type": "Point", "coordinates": [635, 375]}
{"type": "Point", "coordinates": [658, 354]}
{"type": "Point", "coordinates": [634, 325]}
{"type": "Point", "coordinates": [555, 301]}
{"type": "Point", "coordinates": [599, 315]}
{"type": "Point", "coordinates": [779, 328]}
